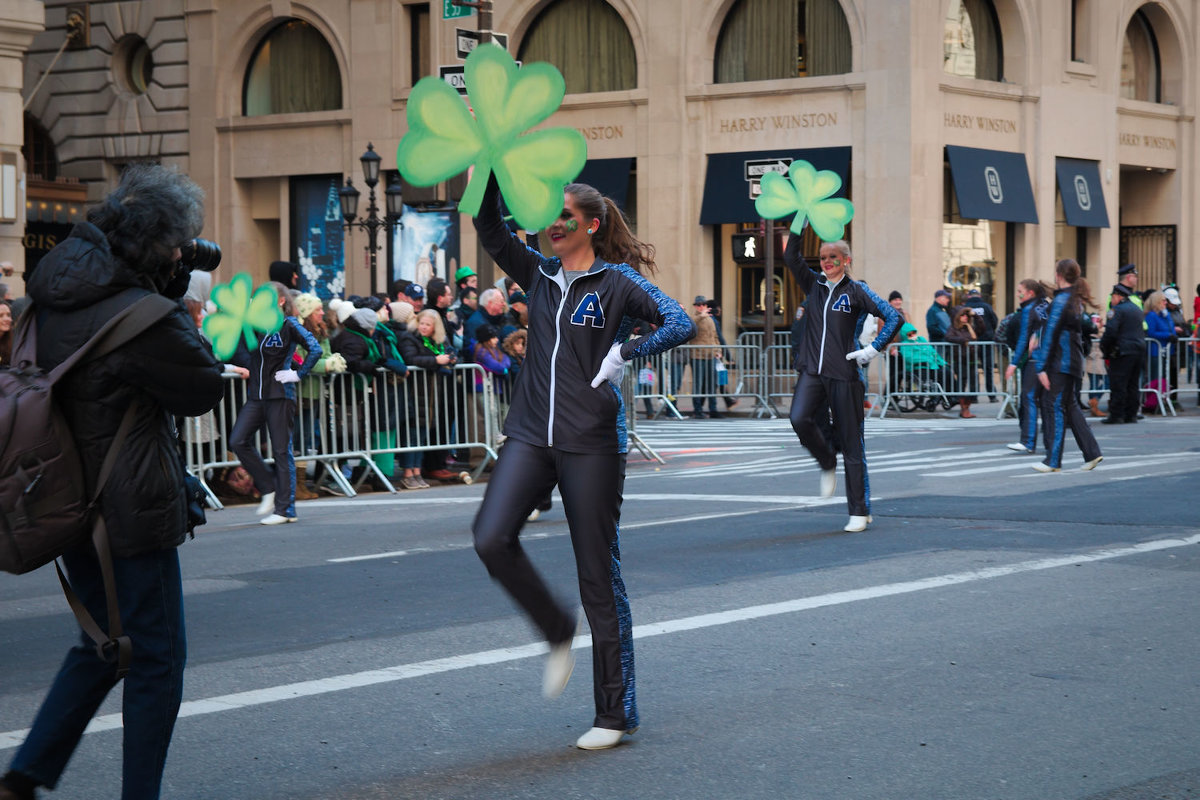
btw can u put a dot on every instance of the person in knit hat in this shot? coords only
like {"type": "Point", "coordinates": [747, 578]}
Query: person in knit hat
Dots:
{"type": "Point", "coordinates": [311, 313]}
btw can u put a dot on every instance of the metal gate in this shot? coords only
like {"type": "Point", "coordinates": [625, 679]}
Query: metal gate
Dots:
{"type": "Point", "coordinates": [1152, 248]}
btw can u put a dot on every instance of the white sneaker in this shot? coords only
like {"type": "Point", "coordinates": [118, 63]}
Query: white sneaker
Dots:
{"type": "Point", "coordinates": [1042, 466]}
{"type": "Point", "coordinates": [1092, 464]}
{"type": "Point", "coordinates": [266, 505]}
{"type": "Point", "coordinates": [559, 664]}
{"type": "Point", "coordinates": [856, 524]}
{"type": "Point", "coordinates": [276, 519]}
{"type": "Point", "coordinates": [828, 482]}
{"type": "Point", "coordinates": [1018, 447]}
{"type": "Point", "coordinates": [533, 515]}
{"type": "Point", "coordinates": [601, 738]}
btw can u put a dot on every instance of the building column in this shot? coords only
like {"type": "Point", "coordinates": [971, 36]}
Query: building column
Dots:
{"type": "Point", "coordinates": [20, 21]}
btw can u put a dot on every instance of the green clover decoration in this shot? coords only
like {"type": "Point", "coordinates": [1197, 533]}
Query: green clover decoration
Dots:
{"type": "Point", "coordinates": [532, 167]}
{"type": "Point", "coordinates": [807, 195]}
{"type": "Point", "coordinates": [240, 313]}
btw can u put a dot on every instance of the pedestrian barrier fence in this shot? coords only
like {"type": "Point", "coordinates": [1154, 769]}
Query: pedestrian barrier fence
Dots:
{"type": "Point", "coordinates": [716, 376]}
{"type": "Point", "coordinates": [347, 425]}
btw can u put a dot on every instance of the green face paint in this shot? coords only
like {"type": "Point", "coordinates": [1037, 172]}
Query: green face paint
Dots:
{"type": "Point", "coordinates": [571, 226]}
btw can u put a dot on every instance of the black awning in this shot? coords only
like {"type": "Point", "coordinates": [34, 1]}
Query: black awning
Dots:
{"type": "Point", "coordinates": [1082, 194]}
{"type": "Point", "coordinates": [991, 184]}
{"type": "Point", "coordinates": [730, 183]}
{"type": "Point", "coordinates": [610, 177]}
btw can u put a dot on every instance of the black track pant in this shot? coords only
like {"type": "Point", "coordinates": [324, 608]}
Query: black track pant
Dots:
{"type": "Point", "coordinates": [277, 416]}
{"type": "Point", "coordinates": [591, 486]}
{"type": "Point", "coordinates": [845, 400]}
{"type": "Point", "coordinates": [1059, 412]}
{"type": "Point", "coordinates": [1031, 402]}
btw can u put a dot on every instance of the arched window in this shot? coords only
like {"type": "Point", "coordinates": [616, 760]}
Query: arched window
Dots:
{"type": "Point", "coordinates": [41, 156]}
{"type": "Point", "coordinates": [971, 41]}
{"type": "Point", "coordinates": [1141, 68]}
{"type": "Point", "coordinates": [292, 70]}
{"type": "Point", "coordinates": [769, 39]}
{"type": "Point", "coordinates": [588, 41]}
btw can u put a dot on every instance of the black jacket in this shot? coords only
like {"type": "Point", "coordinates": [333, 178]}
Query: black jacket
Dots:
{"type": "Point", "coordinates": [1123, 333]}
{"type": "Point", "coordinates": [985, 331]}
{"type": "Point", "coordinates": [831, 320]}
{"type": "Point", "coordinates": [169, 370]}
{"type": "Point", "coordinates": [571, 329]}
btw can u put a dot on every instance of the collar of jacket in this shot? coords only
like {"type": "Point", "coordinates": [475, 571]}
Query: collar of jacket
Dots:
{"type": "Point", "coordinates": [556, 274]}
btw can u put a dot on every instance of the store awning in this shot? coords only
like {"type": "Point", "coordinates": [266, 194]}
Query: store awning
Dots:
{"type": "Point", "coordinates": [991, 184]}
{"type": "Point", "coordinates": [609, 176]}
{"type": "Point", "coordinates": [730, 184]}
{"type": "Point", "coordinates": [1082, 194]}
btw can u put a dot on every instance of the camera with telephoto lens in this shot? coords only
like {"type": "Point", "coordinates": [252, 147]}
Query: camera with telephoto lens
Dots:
{"type": "Point", "coordinates": [200, 254]}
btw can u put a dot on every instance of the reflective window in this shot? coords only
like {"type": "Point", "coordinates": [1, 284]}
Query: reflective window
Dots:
{"type": "Point", "coordinates": [293, 70]}
{"type": "Point", "coordinates": [971, 44]}
{"type": "Point", "coordinates": [588, 41]}
{"type": "Point", "coordinates": [1140, 65]}
{"type": "Point", "coordinates": [771, 39]}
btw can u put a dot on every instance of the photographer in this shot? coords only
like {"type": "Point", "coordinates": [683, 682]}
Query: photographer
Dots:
{"type": "Point", "coordinates": [128, 248]}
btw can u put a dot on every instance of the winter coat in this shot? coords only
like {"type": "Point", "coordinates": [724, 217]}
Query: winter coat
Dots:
{"type": "Point", "coordinates": [1124, 333]}
{"type": "Point", "coordinates": [1061, 348]}
{"type": "Point", "coordinates": [169, 370]}
{"type": "Point", "coordinates": [572, 327]}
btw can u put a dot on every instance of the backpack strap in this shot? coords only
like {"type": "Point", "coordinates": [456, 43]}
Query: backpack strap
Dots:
{"type": "Point", "coordinates": [125, 325]}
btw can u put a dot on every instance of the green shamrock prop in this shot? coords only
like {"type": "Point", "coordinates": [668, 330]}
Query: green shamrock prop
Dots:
{"type": "Point", "coordinates": [532, 168]}
{"type": "Point", "coordinates": [240, 314]}
{"type": "Point", "coordinates": [807, 195]}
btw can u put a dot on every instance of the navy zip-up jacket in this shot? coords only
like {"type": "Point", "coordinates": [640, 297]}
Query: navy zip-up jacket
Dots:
{"type": "Point", "coordinates": [831, 321]}
{"type": "Point", "coordinates": [274, 352]}
{"type": "Point", "coordinates": [1033, 318]}
{"type": "Point", "coordinates": [1061, 349]}
{"type": "Point", "coordinates": [571, 329]}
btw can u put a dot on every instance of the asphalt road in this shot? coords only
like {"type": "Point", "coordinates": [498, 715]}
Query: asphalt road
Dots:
{"type": "Point", "coordinates": [996, 633]}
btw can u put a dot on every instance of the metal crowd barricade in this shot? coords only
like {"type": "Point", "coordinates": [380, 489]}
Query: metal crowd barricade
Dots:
{"type": "Point", "coordinates": [347, 417]}
{"type": "Point", "coordinates": [920, 376]}
{"type": "Point", "coordinates": [1189, 367]}
{"type": "Point", "coordinates": [1156, 372]}
{"type": "Point", "coordinates": [653, 376]}
{"type": "Point", "coordinates": [694, 374]}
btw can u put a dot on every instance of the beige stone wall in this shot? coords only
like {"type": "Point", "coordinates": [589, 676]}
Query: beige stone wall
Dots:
{"type": "Point", "coordinates": [20, 22]}
{"type": "Point", "coordinates": [897, 110]}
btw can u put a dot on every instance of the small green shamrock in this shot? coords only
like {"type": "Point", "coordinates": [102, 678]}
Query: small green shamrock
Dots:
{"type": "Point", "coordinates": [532, 168]}
{"type": "Point", "coordinates": [240, 314]}
{"type": "Point", "coordinates": [807, 195]}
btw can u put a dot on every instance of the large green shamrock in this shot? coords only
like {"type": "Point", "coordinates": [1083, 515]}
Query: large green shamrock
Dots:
{"type": "Point", "coordinates": [807, 195]}
{"type": "Point", "coordinates": [240, 314]}
{"type": "Point", "coordinates": [443, 138]}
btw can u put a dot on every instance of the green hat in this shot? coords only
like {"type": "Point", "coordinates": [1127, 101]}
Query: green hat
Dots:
{"type": "Point", "coordinates": [463, 272]}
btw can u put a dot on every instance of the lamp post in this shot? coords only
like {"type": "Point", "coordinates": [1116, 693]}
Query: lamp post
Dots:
{"type": "Point", "coordinates": [372, 223]}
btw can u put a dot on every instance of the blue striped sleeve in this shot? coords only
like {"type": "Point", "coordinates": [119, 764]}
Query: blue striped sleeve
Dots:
{"type": "Point", "coordinates": [1050, 331]}
{"type": "Point", "coordinates": [891, 317]}
{"type": "Point", "coordinates": [674, 325]}
{"type": "Point", "coordinates": [308, 341]}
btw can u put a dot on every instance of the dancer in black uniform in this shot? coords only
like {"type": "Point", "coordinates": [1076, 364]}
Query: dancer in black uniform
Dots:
{"type": "Point", "coordinates": [1059, 363]}
{"type": "Point", "coordinates": [1034, 308]}
{"type": "Point", "coordinates": [830, 375]}
{"type": "Point", "coordinates": [566, 425]}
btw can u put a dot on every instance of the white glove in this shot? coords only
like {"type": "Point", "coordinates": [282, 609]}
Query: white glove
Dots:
{"type": "Point", "coordinates": [287, 376]}
{"type": "Point", "coordinates": [864, 356]}
{"type": "Point", "coordinates": [335, 363]}
{"type": "Point", "coordinates": [611, 368]}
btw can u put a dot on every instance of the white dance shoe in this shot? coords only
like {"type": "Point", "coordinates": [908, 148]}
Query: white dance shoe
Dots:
{"type": "Point", "coordinates": [857, 523]}
{"type": "Point", "coordinates": [266, 505]}
{"type": "Point", "coordinates": [828, 482]}
{"type": "Point", "coordinates": [601, 738]}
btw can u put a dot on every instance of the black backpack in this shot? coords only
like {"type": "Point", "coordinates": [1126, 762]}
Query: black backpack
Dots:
{"type": "Point", "coordinates": [44, 508]}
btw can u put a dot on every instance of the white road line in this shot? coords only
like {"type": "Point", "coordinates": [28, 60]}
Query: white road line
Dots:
{"type": "Point", "coordinates": [791, 502]}
{"type": "Point", "coordinates": [355, 680]}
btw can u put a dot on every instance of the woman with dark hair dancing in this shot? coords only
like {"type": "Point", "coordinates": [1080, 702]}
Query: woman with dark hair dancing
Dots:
{"type": "Point", "coordinates": [1059, 364]}
{"type": "Point", "coordinates": [566, 425]}
{"type": "Point", "coordinates": [1031, 294]}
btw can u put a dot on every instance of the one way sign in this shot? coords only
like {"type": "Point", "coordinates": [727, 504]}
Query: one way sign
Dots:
{"type": "Point", "coordinates": [756, 168]}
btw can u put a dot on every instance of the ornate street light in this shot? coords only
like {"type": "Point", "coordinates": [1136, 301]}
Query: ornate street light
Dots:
{"type": "Point", "coordinates": [372, 223]}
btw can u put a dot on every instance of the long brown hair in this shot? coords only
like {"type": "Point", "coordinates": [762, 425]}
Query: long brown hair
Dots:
{"type": "Point", "coordinates": [1040, 290]}
{"type": "Point", "coordinates": [1081, 294]}
{"type": "Point", "coordinates": [613, 242]}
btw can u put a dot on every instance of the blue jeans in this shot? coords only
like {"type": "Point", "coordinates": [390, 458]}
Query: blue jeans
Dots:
{"type": "Point", "coordinates": [150, 593]}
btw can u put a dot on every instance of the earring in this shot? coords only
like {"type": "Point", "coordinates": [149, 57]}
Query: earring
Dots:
{"type": "Point", "coordinates": [590, 231]}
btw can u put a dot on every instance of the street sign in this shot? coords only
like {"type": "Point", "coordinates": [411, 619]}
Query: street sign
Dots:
{"type": "Point", "coordinates": [455, 75]}
{"type": "Point", "coordinates": [756, 168]}
{"type": "Point", "coordinates": [468, 40]}
{"type": "Point", "coordinates": [451, 11]}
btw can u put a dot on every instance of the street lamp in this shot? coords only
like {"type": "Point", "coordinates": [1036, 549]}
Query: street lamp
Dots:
{"type": "Point", "coordinates": [372, 223]}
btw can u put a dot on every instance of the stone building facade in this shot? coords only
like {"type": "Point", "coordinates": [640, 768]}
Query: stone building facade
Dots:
{"type": "Point", "coordinates": [979, 140]}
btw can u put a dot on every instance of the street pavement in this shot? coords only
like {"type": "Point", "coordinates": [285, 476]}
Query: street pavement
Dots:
{"type": "Point", "coordinates": [995, 633]}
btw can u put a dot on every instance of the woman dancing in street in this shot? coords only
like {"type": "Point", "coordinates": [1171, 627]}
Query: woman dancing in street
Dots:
{"type": "Point", "coordinates": [566, 426]}
{"type": "Point", "coordinates": [830, 377]}
{"type": "Point", "coordinates": [1031, 294]}
{"type": "Point", "coordinates": [1059, 364]}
